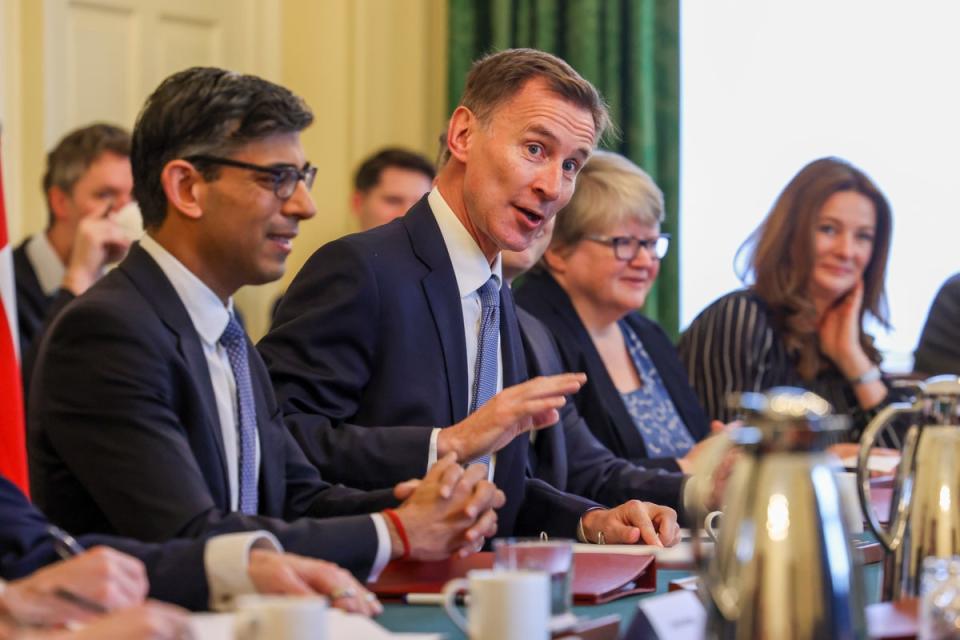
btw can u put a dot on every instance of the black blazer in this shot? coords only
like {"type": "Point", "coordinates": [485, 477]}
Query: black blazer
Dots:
{"type": "Point", "coordinates": [32, 302]}
{"type": "Point", "coordinates": [124, 435]}
{"type": "Point", "coordinates": [367, 356]}
{"type": "Point", "coordinates": [570, 457]}
{"type": "Point", "coordinates": [175, 569]}
{"type": "Point", "coordinates": [35, 310]}
{"type": "Point", "coordinates": [598, 401]}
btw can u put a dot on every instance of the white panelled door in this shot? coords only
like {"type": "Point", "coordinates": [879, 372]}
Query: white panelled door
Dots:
{"type": "Point", "coordinates": [103, 57]}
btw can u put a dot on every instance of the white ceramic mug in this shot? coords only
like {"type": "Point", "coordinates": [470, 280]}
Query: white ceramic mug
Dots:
{"type": "Point", "coordinates": [710, 524]}
{"type": "Point", "coordinates": [504, 605]}
{"type": "Point", "coordinates": [850, 501]}
{"type": "Point", "coordinates": [281, 618]}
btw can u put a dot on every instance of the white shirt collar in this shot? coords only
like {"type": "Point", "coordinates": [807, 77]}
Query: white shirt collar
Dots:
{"type": "Point", "coordinates": [469, 264]}
{"type": "Point", "coordinates": [207, 312]}
{"type": "Point", "coordinates": [46, 263]}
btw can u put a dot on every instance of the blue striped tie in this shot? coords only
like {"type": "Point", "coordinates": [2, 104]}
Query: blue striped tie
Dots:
{"type": "Point", "coordinates": [485, 371]}
{"type": "Point", "coordinates": [234, 340]}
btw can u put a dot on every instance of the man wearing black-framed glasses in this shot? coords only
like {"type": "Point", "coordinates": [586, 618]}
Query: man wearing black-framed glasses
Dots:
{"type": "Point", "coordinates": [175, 431]}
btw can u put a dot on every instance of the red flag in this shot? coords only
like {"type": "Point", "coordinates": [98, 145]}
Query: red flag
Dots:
{"type": "Point", "coordinates": [13, 450]}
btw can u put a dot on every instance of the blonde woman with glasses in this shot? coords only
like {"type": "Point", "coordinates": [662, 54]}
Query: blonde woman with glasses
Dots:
{"type": "Point", "coordinates": [597, 272]}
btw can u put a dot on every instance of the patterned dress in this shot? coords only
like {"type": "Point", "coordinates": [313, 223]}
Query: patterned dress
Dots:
{"type": "Point", "coordinates": [664, 433]}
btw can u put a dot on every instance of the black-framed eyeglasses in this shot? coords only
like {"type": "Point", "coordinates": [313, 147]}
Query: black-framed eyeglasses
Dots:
{"type": "Point", "coordinates": [285, 177]}
{"type": "Point", "coordinates": [626, 248]}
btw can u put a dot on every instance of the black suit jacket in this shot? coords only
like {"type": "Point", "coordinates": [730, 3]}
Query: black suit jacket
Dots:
{"type": "Point", "coordinates": [175, 569]}
{"type": "Point", "coordinates": [124, 435]}
{"type": "Point", "coordinates": [598, 401]}
{"type": "Point", "coordinates": [570, 457]}
{"type": "Point", "coordinates": [32, 302]}
{"type": "Point", "coordinates": [35, 310]}
{"type": "Point", "coordinates": [367, 356]}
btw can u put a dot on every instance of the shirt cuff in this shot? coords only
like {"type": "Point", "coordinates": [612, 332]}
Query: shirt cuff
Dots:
{"type": "Point", "coordinates": [227, 559]}
{"type": "Point", "coordinates": [383, 547]}
{"type": "Point", "coordinates": [581, 535]}
{"type": "Point", "coordinates": [432, 452]}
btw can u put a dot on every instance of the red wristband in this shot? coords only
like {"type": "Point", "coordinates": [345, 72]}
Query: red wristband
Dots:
{"type": "Point", "coordinates": [398, 525]}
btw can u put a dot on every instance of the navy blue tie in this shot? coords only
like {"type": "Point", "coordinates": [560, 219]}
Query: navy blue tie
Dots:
{"type": "Point", "coordinates": [234, 340]}
{"type": "Point", "coordinates": [485, 371]}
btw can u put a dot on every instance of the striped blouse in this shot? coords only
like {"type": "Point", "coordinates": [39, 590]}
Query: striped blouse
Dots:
{"type": "Point", "coordinates": [733, 346]}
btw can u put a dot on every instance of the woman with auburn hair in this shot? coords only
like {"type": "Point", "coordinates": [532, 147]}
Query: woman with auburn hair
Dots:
{"type": "Point", "coordinates": [601, 263]}
{"type": "Point", "coordinates": [816, 266]}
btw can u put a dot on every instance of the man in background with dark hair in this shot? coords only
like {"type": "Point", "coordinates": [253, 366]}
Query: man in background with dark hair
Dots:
{"type": "Point", "coordinates": [157, 417]}
{"type": "Point", "coordinates": [86, 182]}
{"type": "Point", "coordinates": [387, 184]}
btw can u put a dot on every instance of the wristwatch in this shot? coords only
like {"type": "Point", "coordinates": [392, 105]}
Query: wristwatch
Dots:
{"type": "Point", "coordinates": [870, 375]}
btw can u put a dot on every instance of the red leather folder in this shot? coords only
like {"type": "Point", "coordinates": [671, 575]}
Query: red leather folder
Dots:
{"type": "Point", "coordinates": [893, 620]}
{"type": "Point", "coordinates": [597, 577]}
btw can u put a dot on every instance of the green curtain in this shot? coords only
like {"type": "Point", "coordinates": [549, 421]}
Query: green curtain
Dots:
{"type": "Point", "coordinates": [629, 49]}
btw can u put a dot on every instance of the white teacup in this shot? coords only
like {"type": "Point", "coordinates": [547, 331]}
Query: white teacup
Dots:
{"type": "Point", "coordinates": [281, 618]}
{"type": "Point", "coordinates": [850, 501]}
{"type": "Point", "coordinates": [710, 523]}
{"type": "Point", "coordinates": [504, 605]}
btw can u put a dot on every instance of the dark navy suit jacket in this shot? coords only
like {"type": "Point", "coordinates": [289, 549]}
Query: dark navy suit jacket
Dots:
{"type": "Point", "coordinates": [124, 436]}
{"type": "Point", "coordinates": [35, 310]}
{"type": "Point", "coordinates": [598, 401]}
{"type": "Point", "coordinates": [570, 457]}
{"type": "Point", "coordinates": [32, 302]}
{"type": "Point", "coordinates": [175, 569]}
{"type": "Point", "coordinates": [367, 355]}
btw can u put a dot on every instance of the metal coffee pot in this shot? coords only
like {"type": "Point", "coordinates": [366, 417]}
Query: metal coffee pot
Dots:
{"type": "Point", "coordinates": [925, 511]}
{"type": "Point", "coordinates": [783, 564]}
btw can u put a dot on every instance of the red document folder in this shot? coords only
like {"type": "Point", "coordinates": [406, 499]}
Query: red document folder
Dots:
{"type": "Point", "coordinates": [597, 577]}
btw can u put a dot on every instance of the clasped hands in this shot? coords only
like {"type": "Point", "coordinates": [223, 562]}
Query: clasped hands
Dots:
{"type": "Point", "coordinates": [450, 511]}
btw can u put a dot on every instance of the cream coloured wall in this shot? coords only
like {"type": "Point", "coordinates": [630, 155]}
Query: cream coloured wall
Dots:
{"type": "Point", "coordinates": [21, 90]}
{"type": "Point", "coordinates": [374, 72]}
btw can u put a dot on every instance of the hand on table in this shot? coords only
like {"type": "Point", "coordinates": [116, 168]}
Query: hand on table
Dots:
{"type": "Point", "coordinates": [102, 576]}
{"type": "Point", "coordinates": [290, 574]}
{"type": "Point", "coordinates": [149, 621]}
{"type": "Point", "coordinates": [633, 522]}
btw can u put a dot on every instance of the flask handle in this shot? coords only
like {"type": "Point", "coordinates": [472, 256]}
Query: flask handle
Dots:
{"type": "Point", "coordinates": [890, 538]}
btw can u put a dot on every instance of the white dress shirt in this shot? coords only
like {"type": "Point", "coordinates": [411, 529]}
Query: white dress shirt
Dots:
{"type": "Point", "coordinates": [472, 271]}
{"type": "Point", "coordinates": [45, 262]}
{"type": "Point", "coordinates": [210, 317]}
{"type": "Point", "coordinates": [226, 559]}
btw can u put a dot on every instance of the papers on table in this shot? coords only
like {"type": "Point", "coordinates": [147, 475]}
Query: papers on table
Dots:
{"type": "Point", "coordinates": [680, 555]}
{"type": "Point", "coordinates": [879, 464]}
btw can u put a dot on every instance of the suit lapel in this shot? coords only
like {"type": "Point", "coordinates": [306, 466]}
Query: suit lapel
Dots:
{"type": "Point", "coordinates": [511, 349]}
{"type": "Point", "coordinates": [147, 276]}
{"type": "Point", "coordinates": [443, 298]}
{"type": "Point", "coordinates": [550, 463]}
